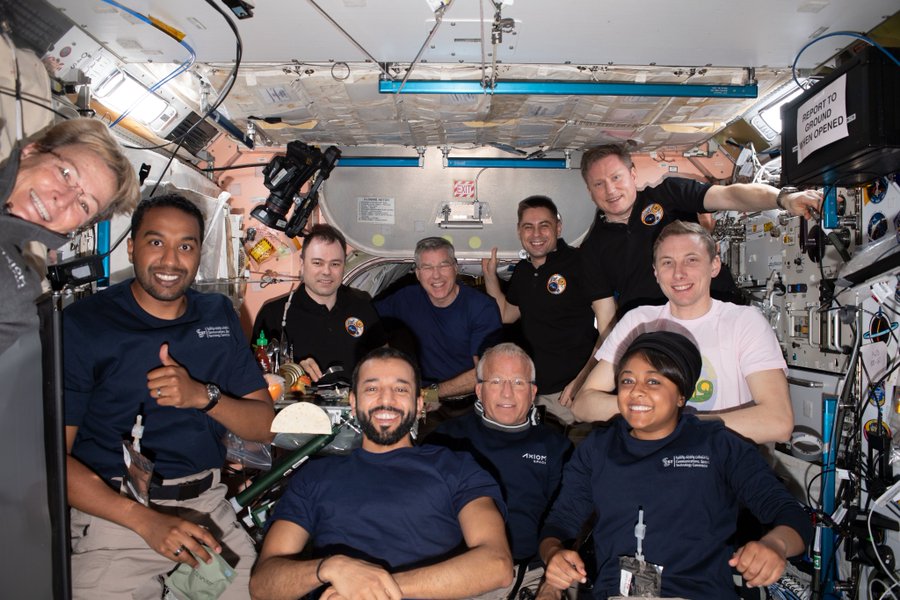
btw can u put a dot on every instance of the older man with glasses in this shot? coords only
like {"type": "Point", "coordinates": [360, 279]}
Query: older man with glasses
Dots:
{"type": "Point", "coordinates": [524, 456]}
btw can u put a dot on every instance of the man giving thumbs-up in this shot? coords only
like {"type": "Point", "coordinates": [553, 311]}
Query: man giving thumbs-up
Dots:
{"type": "Point", "coordinates": [155, 374]}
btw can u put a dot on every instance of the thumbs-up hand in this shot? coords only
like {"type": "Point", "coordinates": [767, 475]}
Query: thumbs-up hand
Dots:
{"type": "Point", "coordinates": [172, 385]}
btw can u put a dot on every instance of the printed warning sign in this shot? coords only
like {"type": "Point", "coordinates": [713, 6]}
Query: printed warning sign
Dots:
{"type": "Point", "coordinates": [463, 188]}
{"type": "Point", "coordinates": [822, 119]}
{"type": "Point", "coordinates": [375, 210]}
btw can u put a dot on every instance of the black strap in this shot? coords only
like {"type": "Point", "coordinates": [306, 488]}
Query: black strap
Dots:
{"type": "Point", "coordinates": [181, 491]}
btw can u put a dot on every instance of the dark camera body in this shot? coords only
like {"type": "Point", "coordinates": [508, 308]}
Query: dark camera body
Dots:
{"type": "Point", "coordinates": [284, 176]}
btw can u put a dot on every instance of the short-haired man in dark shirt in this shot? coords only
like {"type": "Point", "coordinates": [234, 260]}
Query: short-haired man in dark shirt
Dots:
{"type": "Point", "coordinates": [618, 250]}
{"type": "Point", "coordinates": [550, 293]}
{"type": "Point", "coordinates": [152, 359]}
{"type": "Point", "coordinates": [452, 323]}
{"type": "Point", "coordinates": [328, 325]}
{"type": "Point", "coordinates": [390, 520]}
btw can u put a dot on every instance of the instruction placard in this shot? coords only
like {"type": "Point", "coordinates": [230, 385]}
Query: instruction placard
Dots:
{"type": "Point", "coordinates": [379, 211]}
{"type": "Point", "coordinates": [822, 119]}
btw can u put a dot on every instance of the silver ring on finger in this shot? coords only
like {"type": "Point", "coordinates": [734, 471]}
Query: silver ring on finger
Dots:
{"type": "Point", "coordinates": [179, 550]}
{"type": "Point", "coordinates": [159, 392]}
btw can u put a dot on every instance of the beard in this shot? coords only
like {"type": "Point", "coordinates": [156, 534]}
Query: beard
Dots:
{"type": "Point", "coordinates": [381, 436]}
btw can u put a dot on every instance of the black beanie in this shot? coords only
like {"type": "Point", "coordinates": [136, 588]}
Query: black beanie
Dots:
{"type": "Point", "coordinates": [677, 347]}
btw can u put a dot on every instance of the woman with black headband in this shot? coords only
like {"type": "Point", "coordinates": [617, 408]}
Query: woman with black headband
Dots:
{"type": "Point", "coordinates": [666, 488]}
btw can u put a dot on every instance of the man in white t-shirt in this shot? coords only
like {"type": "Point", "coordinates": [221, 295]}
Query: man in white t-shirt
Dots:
{"type": "Point", "coordinates": [743, 379]}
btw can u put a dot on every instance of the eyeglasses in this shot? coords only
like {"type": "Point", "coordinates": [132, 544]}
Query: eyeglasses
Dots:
{"type": "Point", "coordinates": [517, 383]}
{"type": "Point", "coordinates": [73, 181]}
{"type": "Point", "coordinates": [429, 269]}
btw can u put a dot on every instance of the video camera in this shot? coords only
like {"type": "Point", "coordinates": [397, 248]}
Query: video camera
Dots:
{"type": "Point", "coordinates": [284, 176]}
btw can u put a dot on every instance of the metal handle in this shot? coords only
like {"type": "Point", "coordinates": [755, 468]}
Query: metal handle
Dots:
{"type": "Point", "coordinates": [804, 382]}
{"type": "Point", "coordinates": [836, 330]}
{"type": "Point", "coordinates": [809, 325]}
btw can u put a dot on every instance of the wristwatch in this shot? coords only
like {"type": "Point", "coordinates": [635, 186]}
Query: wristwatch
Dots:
{"type": "Point", "coordinates": [788, 189]}
{"type": "Point", "coordinates": [430, 394]}
{"type": "Point", "coordinates": [213, 393]}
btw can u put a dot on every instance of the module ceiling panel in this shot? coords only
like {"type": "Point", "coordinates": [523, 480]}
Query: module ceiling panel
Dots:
{"type": "Point", "coordinates": [622, 32]}
{"type": "Point", "coordinates": [300, 69]}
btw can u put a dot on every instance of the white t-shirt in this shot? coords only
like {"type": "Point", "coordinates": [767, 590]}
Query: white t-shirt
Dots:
{"type": "Point", "coordinates": [734, 341]}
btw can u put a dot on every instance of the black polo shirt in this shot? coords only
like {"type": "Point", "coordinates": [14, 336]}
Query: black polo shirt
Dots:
{"type": "Point", "coordinates": [341, 336]}
{"type": "Point", "coordinates": [618, 257]}
{"type": "Point", "coordinates": [557, 318]}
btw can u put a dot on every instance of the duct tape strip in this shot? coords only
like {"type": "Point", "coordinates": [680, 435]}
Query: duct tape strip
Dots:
{"type": "Point", "coordinates": [806, 446]}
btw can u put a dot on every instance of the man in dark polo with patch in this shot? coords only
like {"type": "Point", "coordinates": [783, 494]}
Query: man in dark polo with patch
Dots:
{"type": "Point", "coordinates": [618, 251]}
{"type": "Point", "coordinates": [550, 294]}
{"type": "Point", "coordinates": [329, 326]}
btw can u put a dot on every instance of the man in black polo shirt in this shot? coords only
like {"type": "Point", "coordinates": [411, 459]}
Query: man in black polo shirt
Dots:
{"type": "Point", "coordinates": [618, 250]}
{"type": "Point", "coordinates": [327, 324]}
{"type": "Point", "coordinates": [550, 294]}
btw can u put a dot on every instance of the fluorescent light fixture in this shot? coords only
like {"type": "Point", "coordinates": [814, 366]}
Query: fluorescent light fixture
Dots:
{"type": "Point", "coordinates": [121, 92]}
{"type": "Point", "coordinates": [693, 127]}
{"type": "Point", "coordinates": [568, 88]}
{"type": "Point", "coordinates": [506, 163]}
{"type": "Point", "coordinates": [772, 114]}
{"type": "Point", "coordinates": [767, 119]}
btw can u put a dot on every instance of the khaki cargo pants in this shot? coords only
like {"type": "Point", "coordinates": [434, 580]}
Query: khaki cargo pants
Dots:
{"type": "Point", "coordinates": [112, 562]}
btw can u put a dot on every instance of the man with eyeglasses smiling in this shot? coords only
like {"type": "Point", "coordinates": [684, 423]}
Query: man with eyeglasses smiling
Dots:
{"type": "Point", "coordinates": [452, 323]}
{"type": "Point", "coordinates": [524, 456]}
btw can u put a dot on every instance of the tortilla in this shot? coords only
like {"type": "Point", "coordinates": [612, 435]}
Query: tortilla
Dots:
{"type": "Point", "coordinates": [302, 417]}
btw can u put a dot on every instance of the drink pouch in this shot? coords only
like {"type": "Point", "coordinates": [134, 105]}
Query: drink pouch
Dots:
{"type": "Point", "coordinates": [138, 470]}
{"type": "Point", "coordinates": [638, 578]}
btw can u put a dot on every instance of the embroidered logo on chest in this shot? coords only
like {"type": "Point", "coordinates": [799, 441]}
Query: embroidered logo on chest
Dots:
{"type": "Point", "coordinates": [15, 269]}
{"type": "Point", "coordinates": [652, 215]}
{"type": "Point", "coordinates": [686, 461]}
{"type": "Point", "coordinates": [354, 326]}
{"type": "Point", "coordinates": [556, 285]}
{"type": "Point", "coordinates": [214, 331]}
{"type": "Point", "coordinates": [538, 459]}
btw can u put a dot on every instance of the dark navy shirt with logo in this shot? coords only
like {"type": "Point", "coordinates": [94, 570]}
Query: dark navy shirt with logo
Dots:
{"type": "Point", "coordinates": [527, 464]}
{"type": "Point", "coordinates": [689, 485]}
{"type": "Point", "coordinates": [110, 345]}
{"type": "Point", "coordinates": [618, 257]}
{"type": "Point", "coordinates": [557, 318]}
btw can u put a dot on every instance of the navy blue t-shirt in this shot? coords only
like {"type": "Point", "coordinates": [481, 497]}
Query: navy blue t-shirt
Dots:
{"type": "Point", "coordinates": [527, 464]}
{"type": "Point", "coordinates": [448, 336]}
{"type": "Point", "coordinates": [111, 343]}
{"type": "Point", "coordinates": [398, 509]}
